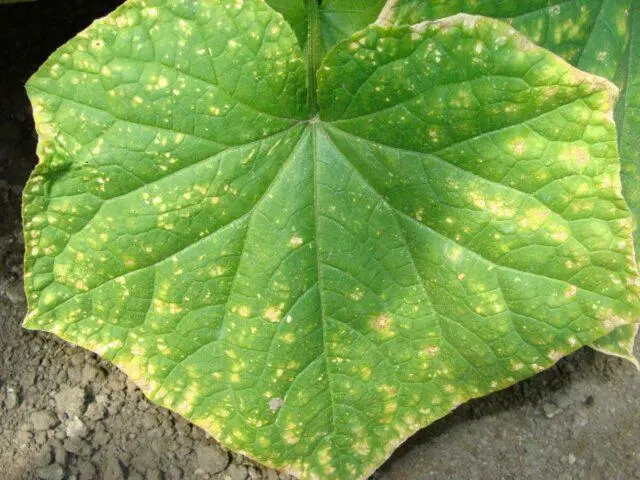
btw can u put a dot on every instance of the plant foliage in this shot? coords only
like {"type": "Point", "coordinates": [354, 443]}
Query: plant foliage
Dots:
{"type": "Point", "coordinates": [314, 238]}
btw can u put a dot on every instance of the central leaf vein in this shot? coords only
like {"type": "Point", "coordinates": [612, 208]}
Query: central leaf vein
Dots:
{"type": "Point", "coordinates": [314, 144]}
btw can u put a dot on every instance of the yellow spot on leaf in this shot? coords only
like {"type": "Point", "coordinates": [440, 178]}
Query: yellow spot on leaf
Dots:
{"type": "Point", "coordinates": [273, 314]}
{"type": "Point", "coordinates": [296, 241]}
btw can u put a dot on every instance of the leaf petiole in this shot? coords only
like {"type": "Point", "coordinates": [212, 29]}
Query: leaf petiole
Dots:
{"type": "Point", "coordinates": [314, 54]}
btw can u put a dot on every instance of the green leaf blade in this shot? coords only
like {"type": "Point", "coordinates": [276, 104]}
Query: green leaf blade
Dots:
{"type": "Point", "coordinates": [571, 29]}
{"type": "Point", "coordinates": [313, 291]}
{"type": "Point", "coordinates": [414, 174]}
{"type": "Point", "coordinates": [621, 341]}
{"type": "Point", "coordinates": [593, 35]}
{"type": "Point", "coordinates": [608, 39]}
{"type": "Point", "coordinates": [628, 117]}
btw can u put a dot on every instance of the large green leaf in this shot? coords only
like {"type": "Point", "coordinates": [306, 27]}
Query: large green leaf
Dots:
{"type": "Point", "coordinates": [313, 280]}
{"type": "Point", "coordinates": [628, 119]}
{"type": "Point", "coordinates": [591, 34]}
{"type": "Point", "coordinates": [577, 30]}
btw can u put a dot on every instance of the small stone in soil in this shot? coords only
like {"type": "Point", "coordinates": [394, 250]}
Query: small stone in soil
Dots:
{"type": "Point", "coordinates": [551, 410]}
{"type": "Point", "coordinates": [11, 399]}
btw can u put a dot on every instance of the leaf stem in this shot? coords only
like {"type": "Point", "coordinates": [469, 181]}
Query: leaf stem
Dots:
{"type": "Point", "coordinates": [314, 54]}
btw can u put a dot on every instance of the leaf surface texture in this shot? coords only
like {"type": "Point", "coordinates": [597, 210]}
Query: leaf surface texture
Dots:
{"type": "Point", "coordinates": [313, 288]}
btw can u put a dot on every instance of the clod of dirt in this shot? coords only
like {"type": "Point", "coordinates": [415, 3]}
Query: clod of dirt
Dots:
{"type": "Point", "coordinates": [117, 382]}
{"type": "Point", "coordinates": [45, 458]}
{"type": "Point", "coordinates": [86, 471]}
{"type": "Point", "coordinates": [71, 401]}
{"type": "Point", "coordinates": [271, 475]}
{"type": "Point", "coordinates": [43, 420]}
{"type": "Point", "coordinates": [76, 428]}
{"type": "Point", "coordinates": [143, 461]}
{"type": "Point", "coordinates": [95, 412]}
{"type": "Point", "coordinates": [60, 453]}
{"type": "Point", "coordinates": [153, 474]}
{"type": "Point", "coordinates": [76, 446]}
{"type": "Point", "coordinates": [254, 473]}
{"type": "Point", "coordinates": [114, 470]}
{"type": "Point", "coordinates": [211, 458]}
{"type": "Point", "coordinates": [52, 472]}
{"type": "Point", "coordinates": [91, 374]}
{"type": "Point", "coordinates": [235, 472]}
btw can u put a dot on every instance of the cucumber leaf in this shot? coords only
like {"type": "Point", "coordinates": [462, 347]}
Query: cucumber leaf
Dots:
{"type": "Point", "coordinates": [595, 36]}
{"type": "Point", "coordinates": [580, 31]}
{"type": "Point", "coordinates": [313, 274]}
{"type": "Point", "coordinates": [628, 120]}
